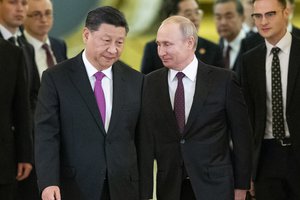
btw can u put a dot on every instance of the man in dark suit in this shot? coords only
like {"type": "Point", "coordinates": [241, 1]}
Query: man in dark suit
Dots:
{"type": "Point", "coordinates": [256, 39]}
{"type": "Point", "coordinates": [229, 17]}
{"type": "Point", "coordinates": [189, 112]}
{"type": "Point", "coordinates": [15, 124]}
{"type": "Point", "coordinates": [206, 50]}
{"type": "Point", "coordinates": [85, 143]}
{"type": "Point", "coordinates": [37, 25]}
{"type": "Point", "coordinates": [270, 78]}
{"type": "Point", "coordinates": [12, 15]}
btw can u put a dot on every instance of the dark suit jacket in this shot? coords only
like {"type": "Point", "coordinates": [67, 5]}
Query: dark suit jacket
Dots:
{"type": "Point", "coordinates": [15, 127]}
{"type": "Point", "coordinates": [59, 49]}
{"type": "Point", "coordinates": [32, 75]}
{"type": "Point", "coordinates": [73, 150]}
{"type": "Point", "coordinates": [254, 84]}
{"type": "Point", "coordinates": [218, 107]}
{"type": "Point", "coordinates": [207, 51]}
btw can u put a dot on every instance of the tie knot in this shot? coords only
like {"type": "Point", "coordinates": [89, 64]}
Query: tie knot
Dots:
{"type": "Point", "coordinates": [45, 46]}
{"type": "Point", "coordinates": [12, 40]}
{"type": "Point", "coordinates": [99, 76]}
{"type": "Point", "coordinates": [180, 75]}
{"type": "Point", "coordinates": [228, 48]}
{"type": "Point", "coordinates": [275, 50]}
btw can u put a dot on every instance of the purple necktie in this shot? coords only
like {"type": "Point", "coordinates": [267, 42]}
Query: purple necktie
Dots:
{"type": "Point", "coordinates": [50, 61]}
{"type": "Point", "coordinates": [99, 94]}
{"type": "Point", "coordinates": [179, 105]}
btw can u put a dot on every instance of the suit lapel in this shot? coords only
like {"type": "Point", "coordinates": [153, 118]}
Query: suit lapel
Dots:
{"type": "Point", "coordinates": [293, 69]}
{"type": "Point", "coordinates": [201, 91]}
{"type": "Point", "coordinates": [80, 79]}
{"type": "Point", "coordinates": [119, 85]}
{"type": "Point", "coordinates": [166, 108]}
{"type": "Point", "coordinates": [260, 73]}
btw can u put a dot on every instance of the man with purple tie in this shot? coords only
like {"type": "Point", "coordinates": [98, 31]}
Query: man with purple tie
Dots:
{"type": "Point", "coordinates": [86, 118]}
{"type": "Point", "coordinates": [190, 110]}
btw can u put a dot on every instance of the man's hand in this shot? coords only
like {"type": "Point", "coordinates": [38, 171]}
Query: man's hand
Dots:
{"type": "Point", "coordinates": [51, 193]}
{"type": "Point", "coordinates": [24, 170]}
{"type": "Point", "coordinates": [240, 194]}
{"type": "Point", "coordinates": [252, 190]}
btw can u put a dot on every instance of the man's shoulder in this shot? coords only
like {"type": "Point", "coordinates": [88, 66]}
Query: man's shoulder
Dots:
{"type": "Point", "coordinates": [255, 51]}
{"type": "Point", "coordinates": [54, 40]}
{"type": "Point", "coordinates": [151, 45]}
{"type": "Point", "coordinates": [207, 43]}
{"type": "Point", "coordinates": [296, 31]}
{"type": "Point", "coordinates": [122, 67]}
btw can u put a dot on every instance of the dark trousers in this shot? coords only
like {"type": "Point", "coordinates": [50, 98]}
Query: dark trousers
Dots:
{"type": "Point", "coordinates": [278, 175]}
{"type": "Point", "coordinates": [105, 191]}
{"type": "Point", "coordinates": [28, 188]}
{"type": "Point", "coordinates": [7, 191]}
{"type": "Point", "coordinates": [187, 192]}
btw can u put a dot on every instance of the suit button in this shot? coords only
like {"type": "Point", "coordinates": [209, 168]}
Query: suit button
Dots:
{"type": "Point", "coordinates": [182, 141]}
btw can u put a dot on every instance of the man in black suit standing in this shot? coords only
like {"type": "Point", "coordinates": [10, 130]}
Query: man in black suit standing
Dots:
{"type": "Point", "coordinates": [12, 16]}
{"type": "Point", "coordinates": [189, 112]}
{"type": "Point", "coordinates": [270, 78]}
{"type": "Point", "coordinates": [85, 142]}
{"type": "Point", "coordinates": [256, 39]}
{"type": "Point", "coordinates": [15, 121]}
{"type": "Point", "coordinates": [206, 51]}
{"type": "Point", "coordinates": [37, 25]}
{"type": "Point", "coordinates": [229, 17]}
{"type": "Point", "coordinates": [48, 52]}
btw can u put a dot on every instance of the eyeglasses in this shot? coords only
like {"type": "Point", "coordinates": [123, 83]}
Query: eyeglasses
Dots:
{"type": "Point", "coordinates": [190, 13]}
{"type": "Point", "coordinates": [268, 15]}
{"type": "Point", "coordinates": [37, 15]}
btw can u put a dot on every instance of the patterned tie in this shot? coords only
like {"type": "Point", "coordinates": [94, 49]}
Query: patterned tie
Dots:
{"type": "Point", "coordinates": [277, 103]}
{"type": "Point", "coordinates": [179, 105]}
{"type": "Point", "coordinates": [227, 57]}
{"type": "Point", "coordinates": [99, 94]}
{"type": "Point", "coordinates": [50, 61]}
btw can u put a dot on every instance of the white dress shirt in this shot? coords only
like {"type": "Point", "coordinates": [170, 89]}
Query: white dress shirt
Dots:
{"type": "Point", "coordinates": [107, 85]}
{"type": "Point", "coordinates": [285, 45]}
{"type": "Point", "coordinates": [40, 53]}
{"type": "Point", "coordinates": [189, 84]}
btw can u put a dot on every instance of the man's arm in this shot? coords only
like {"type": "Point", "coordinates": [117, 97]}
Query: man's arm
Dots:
{"type": "Point", "coordinates": [241, 134]}
{"type": "Point", "coordinates": [22, 122]}
{"type": "Point", "coordinates": [145, 149]}
{"type": "Point", "coordinates": [47, 134]}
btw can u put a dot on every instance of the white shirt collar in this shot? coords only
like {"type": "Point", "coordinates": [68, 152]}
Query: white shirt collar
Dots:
{"type": "Point", "coordinates": [7, 34]}
{"type": "Point", "coordinates": [91, 70]}
{"type": "Point", "coordinates": [37, 44]}
{"type": "Point", "coordinates": [190, 71]}
{"type": "Point", "coordinates": [284, 43]}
